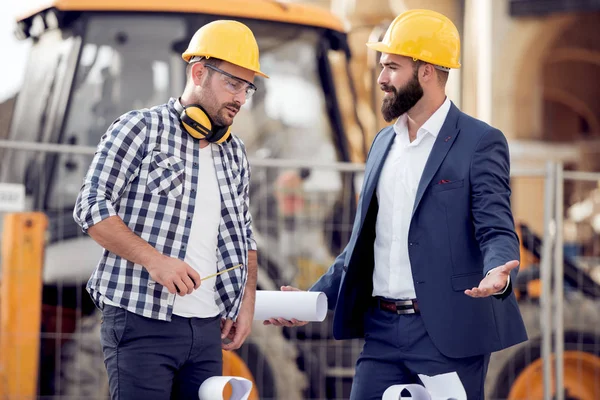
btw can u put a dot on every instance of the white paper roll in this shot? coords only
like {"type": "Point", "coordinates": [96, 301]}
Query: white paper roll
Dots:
{"type": "Point", "coordinates": [212, 388]}
{"type": "Point", "coordinates": [417, 392]}
{"type": "Point", "coordinates": [303, 306]}
{"type": "Point", "coordinates": [446, 386]}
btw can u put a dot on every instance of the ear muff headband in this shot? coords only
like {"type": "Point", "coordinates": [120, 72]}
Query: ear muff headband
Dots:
{"type": "Point", "coordinates": [199, 125]}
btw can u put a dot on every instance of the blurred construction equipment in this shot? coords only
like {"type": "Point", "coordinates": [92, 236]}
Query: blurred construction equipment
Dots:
{"type": "Point", "coordinates": [92, 61]}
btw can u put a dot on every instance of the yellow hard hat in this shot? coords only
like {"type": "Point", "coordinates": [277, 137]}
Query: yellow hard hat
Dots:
{"type": "Point", "coordinates": [423, 35]}
{"type": "Point", "coordinates": [227, 40]}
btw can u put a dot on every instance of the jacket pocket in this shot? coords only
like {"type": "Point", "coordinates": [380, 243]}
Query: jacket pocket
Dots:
{"type": "Point", "coordinates": [466, 281]}
{"type": "Point", "coordinates": [166, 176]}
{"type": "Point", "coordinates": [441, 187]}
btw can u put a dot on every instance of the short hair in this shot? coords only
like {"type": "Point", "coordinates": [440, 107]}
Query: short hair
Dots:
{"type": "Point", "coordinates": [441, 72]}
{"type": "Point", "coordinates": [215, 62]}
{"type": "Point", "coordinates": [442, 76]}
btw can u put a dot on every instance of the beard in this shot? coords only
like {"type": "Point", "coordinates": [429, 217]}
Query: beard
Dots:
{"type": "Point", "coordinates": [402, 100]}
{"type": "Point", "coordinates": [218, 112]}
{"type": "Point", "coordinates": [222, 118]}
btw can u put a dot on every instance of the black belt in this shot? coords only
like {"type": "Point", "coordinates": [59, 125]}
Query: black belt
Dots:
{"type": "Point", "coordinates": [399, 306]}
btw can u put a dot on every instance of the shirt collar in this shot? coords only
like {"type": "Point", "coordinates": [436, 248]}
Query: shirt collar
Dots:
{"type": "Point", "coordinates": [175, 104]}
{"type": "Point", "coordinates": [433, 125]}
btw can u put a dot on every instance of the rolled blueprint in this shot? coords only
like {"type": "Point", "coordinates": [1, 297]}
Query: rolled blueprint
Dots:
{"type": "Point", "coordinates": [400, 392]}
{"type": "Point", "coordinates": [446, 386]}
{"type": "Point", "coordinates": [303, 306]}
{"type": "Point", "coordinates": [410, 392]}
{"type": "Point", "coordinates": [212, 388]}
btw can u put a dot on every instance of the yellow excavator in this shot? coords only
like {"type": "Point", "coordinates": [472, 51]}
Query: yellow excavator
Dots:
{"type": "Point", "coordinates": [91, 61]}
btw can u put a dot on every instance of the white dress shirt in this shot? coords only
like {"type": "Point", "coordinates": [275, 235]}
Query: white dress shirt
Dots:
{"type": "Point", "coordinates": [396, 192]}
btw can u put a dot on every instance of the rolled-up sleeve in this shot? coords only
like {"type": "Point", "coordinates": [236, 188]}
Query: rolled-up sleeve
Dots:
{"type": "Point", "coordinates": [114, 166]}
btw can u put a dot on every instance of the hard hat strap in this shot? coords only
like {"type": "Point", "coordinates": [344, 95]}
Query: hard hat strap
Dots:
{"type": "Point", "coordinates": [196, 59]}
{"type": "Point", "coordinates": [445, 69]}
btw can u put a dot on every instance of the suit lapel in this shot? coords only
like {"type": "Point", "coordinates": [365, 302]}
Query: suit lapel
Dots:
{"type": "Point", "coordinates": [440, 149]}
{"type": "Point", "coordinates": [378, 154]}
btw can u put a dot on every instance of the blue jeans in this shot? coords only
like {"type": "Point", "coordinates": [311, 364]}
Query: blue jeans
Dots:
{"type": "Point", "coordinates": [397, 349]}
{"type": "Point", "coordinates": [158, 360]}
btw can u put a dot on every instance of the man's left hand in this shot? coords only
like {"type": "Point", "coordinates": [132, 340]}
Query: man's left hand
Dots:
{"type": "Point", "coordinates": [239, 330]}
{"type": "Point", "coordinates": [494, 282]}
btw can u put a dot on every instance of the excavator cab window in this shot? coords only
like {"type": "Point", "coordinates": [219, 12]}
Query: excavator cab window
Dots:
{"type": "Point", "coordinates": [38, 110]}
{"type": "Point", "coordinates": [124, 65]}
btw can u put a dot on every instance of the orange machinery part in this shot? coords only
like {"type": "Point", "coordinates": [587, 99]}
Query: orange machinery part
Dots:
{"type": "Point", "coordinates": [233, 365]}
{"type": "Point", "coordinates": [23, 240]}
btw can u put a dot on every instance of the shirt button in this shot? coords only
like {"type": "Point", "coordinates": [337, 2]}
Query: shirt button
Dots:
{"type": "Point", "coordinates": [195, 164]}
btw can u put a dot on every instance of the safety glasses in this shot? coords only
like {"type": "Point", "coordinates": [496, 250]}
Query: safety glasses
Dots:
{"type": "Point", "coordinates": [233, 84]}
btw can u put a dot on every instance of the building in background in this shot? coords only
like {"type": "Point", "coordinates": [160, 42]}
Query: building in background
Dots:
{"type": "Point", "coordinates": [531, 68]}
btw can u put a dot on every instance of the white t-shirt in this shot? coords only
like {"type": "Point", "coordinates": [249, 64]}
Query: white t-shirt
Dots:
{"type": "Point", "coordinates": [202, 247]}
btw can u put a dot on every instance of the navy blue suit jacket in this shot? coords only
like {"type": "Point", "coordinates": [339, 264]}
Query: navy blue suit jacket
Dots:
{"type": "Point", "coordinates": [459, 231]}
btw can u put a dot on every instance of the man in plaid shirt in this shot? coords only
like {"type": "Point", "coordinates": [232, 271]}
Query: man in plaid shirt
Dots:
{"type": "Point", "coordinates": [166, 196]}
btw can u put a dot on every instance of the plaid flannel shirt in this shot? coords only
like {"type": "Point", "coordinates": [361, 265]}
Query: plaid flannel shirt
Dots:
{"type": "Point", "coordinates": [145, 170]}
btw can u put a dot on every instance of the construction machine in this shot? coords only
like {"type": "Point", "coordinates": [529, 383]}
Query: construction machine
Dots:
{"type": "Point", "coordinates": [517, 372]}
{"type": "Point", "coordinates": [91, 61]}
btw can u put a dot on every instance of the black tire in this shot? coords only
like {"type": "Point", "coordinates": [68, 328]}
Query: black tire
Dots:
{"type": "Point", "coordinates": [531, 352]}
{"type": "Point", "coordinates": [260, 368]}
{"type": "Point", "coordinates": [273, 362]}
{"type": "Point", "coordinates": [581, 319]}
{"type": "Point", "coordinates": [82, 372]}
{"type": "Point", "coordinates": [314, 369]}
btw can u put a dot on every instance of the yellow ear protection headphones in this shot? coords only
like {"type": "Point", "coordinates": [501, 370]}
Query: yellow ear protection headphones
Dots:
{"type": "Point", "coordinates": [198, 124]}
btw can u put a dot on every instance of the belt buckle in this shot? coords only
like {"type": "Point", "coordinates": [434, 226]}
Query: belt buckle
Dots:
{"type": "Point", "coordinates": [405, 307]}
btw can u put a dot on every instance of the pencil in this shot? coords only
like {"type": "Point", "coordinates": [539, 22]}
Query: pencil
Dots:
{"type": "Point", "coordinates": [220, 272]}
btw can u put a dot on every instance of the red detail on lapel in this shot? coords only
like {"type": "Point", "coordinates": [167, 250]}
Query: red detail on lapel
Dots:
{"type": "Point", "coordinates": [448, 138]}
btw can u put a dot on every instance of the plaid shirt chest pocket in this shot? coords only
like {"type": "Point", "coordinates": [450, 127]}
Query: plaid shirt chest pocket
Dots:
{"type": "Point", "coordinates": [166, 175]}
{"type": "Point", "coordinates": [232, 188]}
{"type": "Point", "coordinates": [236, 187]}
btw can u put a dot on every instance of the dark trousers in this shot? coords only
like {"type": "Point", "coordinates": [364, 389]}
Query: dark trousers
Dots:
{"type": "Point", "coordinates": [152, 359]}
{"type": "Point", "coordinates": [397, 348]}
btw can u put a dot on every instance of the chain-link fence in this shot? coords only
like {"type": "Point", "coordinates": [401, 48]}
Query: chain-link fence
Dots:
{"type": "Point", "coordinates": [563, 323]}
{"type": "Point", "coordinates": [303, 216]}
